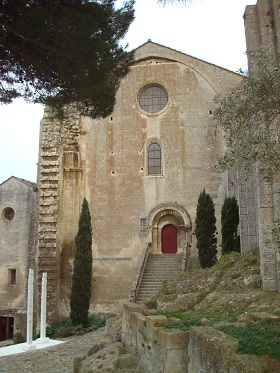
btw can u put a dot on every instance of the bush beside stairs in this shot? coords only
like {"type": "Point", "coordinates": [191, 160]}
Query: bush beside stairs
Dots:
{"type": "Point", "coordinates": [159, 267]}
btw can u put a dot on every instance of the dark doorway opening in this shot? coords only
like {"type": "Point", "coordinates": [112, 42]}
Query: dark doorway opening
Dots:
{"type": "Point", "coordinates": [6, 327]}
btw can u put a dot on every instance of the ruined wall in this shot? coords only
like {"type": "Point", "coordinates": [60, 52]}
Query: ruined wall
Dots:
{"type": "Point", "coordinates": [243, 185]}
{"type": "Point", "coordinates": [262, 27]}
{"type": "Point", "coordinates": [201, 350]}
{"type": "Point", "coordinates": [18, 234]}
{"type": "Point", "coordinates": [158, 349]}
{"type": "Point", "coordinates": [59, 176]}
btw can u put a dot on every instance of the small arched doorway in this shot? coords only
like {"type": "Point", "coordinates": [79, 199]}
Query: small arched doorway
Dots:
{"type": "Point", "coordinates": [169, 239]}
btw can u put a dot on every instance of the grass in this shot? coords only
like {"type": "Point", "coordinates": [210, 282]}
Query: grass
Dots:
{"type": "Point", "coordinates": [194, 319]}
{"type": "Point", "coordinates": [261, 338]}
{"type": "Point", "coordinates": [67, 329]}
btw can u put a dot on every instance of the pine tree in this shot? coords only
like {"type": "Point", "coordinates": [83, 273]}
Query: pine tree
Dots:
{"type": "Point", "coordinates": [230, 222]}
{"type": "Point", "coordinates": [205, 230]}
{"type": "Point", "coordinates": [59, 52]}
{"type": "Point", "coordinates": [81, 278]}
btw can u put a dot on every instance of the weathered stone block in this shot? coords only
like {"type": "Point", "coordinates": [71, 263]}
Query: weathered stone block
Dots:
{"type": "Point", "coordinates": [172, 338]}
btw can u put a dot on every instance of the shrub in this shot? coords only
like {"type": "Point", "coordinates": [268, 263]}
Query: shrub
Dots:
{"type": "Point", "coordinates": [66, 328]}
{"type": "Point", "coordinates": [18, 338]}
{"type": "Point", "coordinates": [230, 222]}
{"type": "Point", "coordinates": [205, 230]}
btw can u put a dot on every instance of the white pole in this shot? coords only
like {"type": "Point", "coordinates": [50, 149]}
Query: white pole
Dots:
{"type": "Point", "coordinates": [29, 327]}
{"type": "Point", "coordinates": [43, 338]}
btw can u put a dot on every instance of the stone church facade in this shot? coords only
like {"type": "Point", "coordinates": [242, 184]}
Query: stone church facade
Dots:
{"type": "Point", "coordinates": [141, 170]}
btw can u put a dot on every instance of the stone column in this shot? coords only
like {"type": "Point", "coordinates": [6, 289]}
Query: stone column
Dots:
{"type": "Point", "coordinates": [29, 346]}
{"type": "Point", "coordinates": [43, 338]}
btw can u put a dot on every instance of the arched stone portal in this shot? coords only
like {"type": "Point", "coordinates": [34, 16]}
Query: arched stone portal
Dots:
{"type": "Point", "coordinates": [169, 215]}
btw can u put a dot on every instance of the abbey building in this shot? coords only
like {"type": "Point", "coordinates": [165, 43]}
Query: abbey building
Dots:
{"type": "Point", "coordinates": [141, 170]}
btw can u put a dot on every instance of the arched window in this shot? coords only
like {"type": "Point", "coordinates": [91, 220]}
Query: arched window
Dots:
{"type": "Point", "coordinates": [154, 159]}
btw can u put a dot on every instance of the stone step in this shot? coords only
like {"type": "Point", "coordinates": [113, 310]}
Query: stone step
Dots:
{"type": "Point", "coordinates": [151, 287]}
{"type": "Point", "coordinates": [168, 262]}
{"type": "Point", "coordinates": [147, 280]}
{"type": "Point", "coordinates": [158, 268]}
{"type": "Point", "coordinates": [161, 271]}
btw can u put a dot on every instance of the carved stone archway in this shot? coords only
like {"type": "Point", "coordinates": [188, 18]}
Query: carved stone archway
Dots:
{"type": "Point", "coordinates": [163, 215]}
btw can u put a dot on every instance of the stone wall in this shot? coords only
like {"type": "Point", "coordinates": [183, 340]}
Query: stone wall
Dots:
{"type": "Point", "coordinates": [18, 239]}
{"type": "Point", "coordinates": [262, 27]}
{"type": "Point", "coordinates": [158, 349]}
{"type": "Point", "coordinates": [211, 351]}
{"type": "Point", "coordinates": [59, 202]}
{"type": "Point", "coordinates": [202, 350]}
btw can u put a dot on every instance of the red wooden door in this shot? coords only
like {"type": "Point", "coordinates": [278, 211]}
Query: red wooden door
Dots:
{"type": "Point", "coordinates": [169, 239]}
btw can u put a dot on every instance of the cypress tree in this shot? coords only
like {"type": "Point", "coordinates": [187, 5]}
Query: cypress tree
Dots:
{"type": "Point", "coordinates": [205, 230]}
{"type": "Point", "coordinates": [81, 278]}
{"type": "Point", "coordinates": [230, 222]}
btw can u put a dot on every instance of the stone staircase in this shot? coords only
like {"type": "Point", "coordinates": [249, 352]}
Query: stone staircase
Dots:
{"type": "Point", "coordinates": [159, 267]}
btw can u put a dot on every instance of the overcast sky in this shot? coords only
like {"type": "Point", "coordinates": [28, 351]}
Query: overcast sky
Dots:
{"type": "Point", "coordinates": [212, 30]}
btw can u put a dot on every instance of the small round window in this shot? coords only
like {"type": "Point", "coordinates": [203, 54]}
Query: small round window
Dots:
{"type": "Point", "coordinates": [153, 98]}
{"type": "Point", "coordinates": [8, 213]}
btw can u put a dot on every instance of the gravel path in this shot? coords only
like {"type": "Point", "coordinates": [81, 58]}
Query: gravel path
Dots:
{"type": "Point", "coordinates": [55, 359]}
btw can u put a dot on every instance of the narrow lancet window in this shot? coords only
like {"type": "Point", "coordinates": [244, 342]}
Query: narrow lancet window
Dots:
{"type": "Point", "coordinates": [154, 159]}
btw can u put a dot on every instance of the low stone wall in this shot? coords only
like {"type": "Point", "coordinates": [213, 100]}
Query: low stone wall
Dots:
{"type": "Point", "coordinates": [212, 351]}
{"type": "Point", "coordinates": [158, 349]}
{"type": "Point", "coordinates": [202, 350]}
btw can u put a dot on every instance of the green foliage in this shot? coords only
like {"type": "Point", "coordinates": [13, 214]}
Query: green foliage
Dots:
{"type": "Point", "coordinates": [61, 52]}
{"type": "Point", "coordinates": [81, 278]}
{"type": "Point", "coordinates": [18, 338]}
{"type": "Point", "coordinates": [151, 303]}
{"type": "Point", "coordinates": [194, 319]}
{"type": "Point", "coordinates": [205, 230]}
{"type": "Point", "coordinates": [165, 290]}
{"type": "Point", "coordinates": [66, 328]}
{"type": "Point", "coordinates": [250, 117]}
{"type": "Point", "coordinates": [177, 315]}
{"type": "Point", "coordinates": [230, 222]}
{"type": "Point", "coordinates": [259, 338]}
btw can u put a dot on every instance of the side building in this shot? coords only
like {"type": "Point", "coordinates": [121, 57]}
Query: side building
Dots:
{"type": "Point", "coordinates": [141, 170]}
{"type": "Point", "coordinates": [18, 239]}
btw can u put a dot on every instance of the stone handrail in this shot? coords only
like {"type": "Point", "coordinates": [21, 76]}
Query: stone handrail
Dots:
{"type": "Point", "coordinates": [139, 274]}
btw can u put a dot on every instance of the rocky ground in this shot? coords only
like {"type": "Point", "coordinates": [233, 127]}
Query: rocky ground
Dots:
{"type": "Point", "coordinates": [232, 284]}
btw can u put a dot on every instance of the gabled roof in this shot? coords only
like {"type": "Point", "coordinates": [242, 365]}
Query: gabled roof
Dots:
{"type": "Point", "coordinates": [157, 47]}
{"type": "Point", "coordinates": [26, 182]}
{"type": "Point", "coordinates": [215, 75]}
